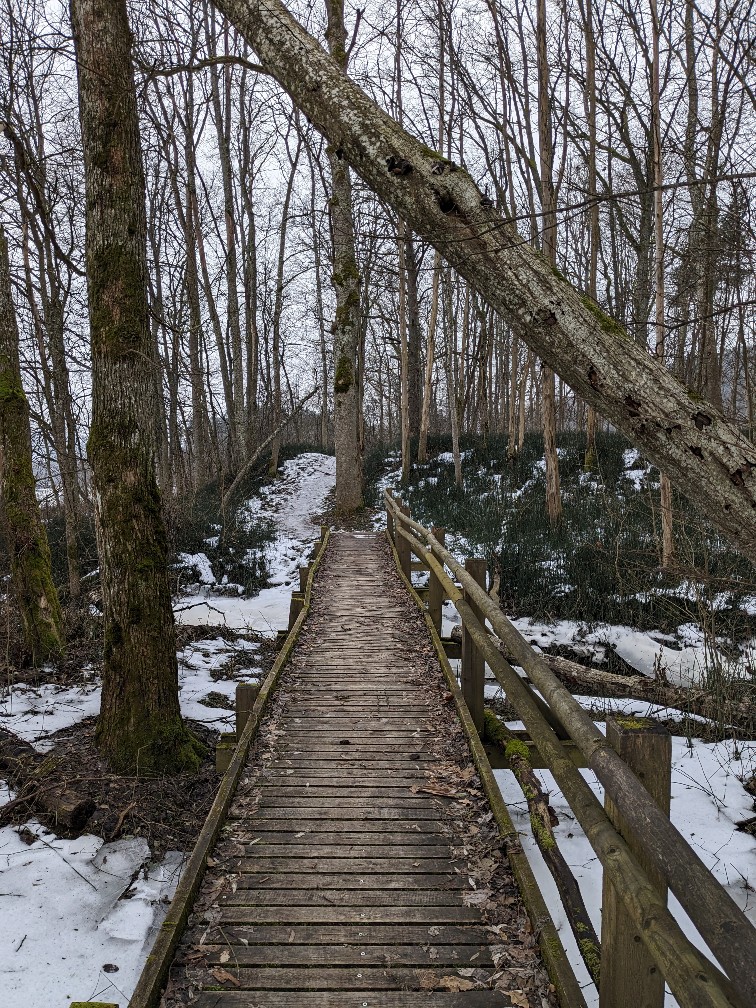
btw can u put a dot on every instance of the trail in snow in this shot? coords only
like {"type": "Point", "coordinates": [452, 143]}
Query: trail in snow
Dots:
{"type": "Point", "coordinates": [298, 495]}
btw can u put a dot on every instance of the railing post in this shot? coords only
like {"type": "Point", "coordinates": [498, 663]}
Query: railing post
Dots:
{"type": "Point", "coordinates": [246, 694]}
{"type": "Point", "coordinates": [435, 588]}
{"type": "Point", "coordinates": [473, 665]}
{"type": "Point", "coordinates": [390, 519]}
{"type": "Point", "coordinates": [629, 975]}
{"type": "Point", "coordinates": [295, 608]}
{"type": "Point", "coordinates": [304, 573]}
{"type": "Point", "coordinates": [403, 548]}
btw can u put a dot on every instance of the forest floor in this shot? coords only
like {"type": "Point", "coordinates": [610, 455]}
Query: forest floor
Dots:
{"type": "Point", "coordinates": [77, 917]}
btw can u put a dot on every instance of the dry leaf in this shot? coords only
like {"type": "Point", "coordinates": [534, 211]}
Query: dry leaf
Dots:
{"type": "Point", "coordinates": [477, 898]}
{"type": "Point", "coordinates": [455, 984]}
{"type": "Point", "coordinates": [519, 999]}
{"type": "Point", "coordinates": [223, 976]}
{"type": "Point", "coordinates": [224, 956]}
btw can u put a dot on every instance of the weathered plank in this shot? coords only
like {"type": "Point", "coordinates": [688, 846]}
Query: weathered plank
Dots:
{"type": "Point", "coordinates": [345, 999]}
{"type": "Point", "coordinates": [359, 934]}
{"type": "Point", "coordinates": [348, 915]}
{"type": "Point", "coordinates": [307, 849]}
{"type": "Point", "coordinates": [350, 955]}
{"type": "Point", "coordinates": [322, 896]}
{"type": "Point", "coordinates": [316, 880]}
{"type": "Point", "coordinates": [349, 865]}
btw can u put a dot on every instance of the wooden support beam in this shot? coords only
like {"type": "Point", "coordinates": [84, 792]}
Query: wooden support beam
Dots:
{"type": "Point", "coordinates": [390, 527]}
{"type": "Point", "coordinates": [304, 573]}
{"type": "Point", "coordinates": [630, 977]}
{"type": "Point", "coordinates": [403, 548]}
{"type": "Point", "coordinates": [246, 694]}
{"type": "Point", "coordinates": [473, 663]}
{"type": "Point", "coordinates": [224, 751]}
{"type": "Point", "coordinates": [436, 594]}
{"type": "Point", "coordinates": [452, 647]}
{"type": "Point", "coordinates": [93, 1004]}
{"type": "Point", "coordinates": [295, 607]}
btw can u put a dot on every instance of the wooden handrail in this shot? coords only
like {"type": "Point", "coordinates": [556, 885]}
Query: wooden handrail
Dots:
{"type": "Point", "coordinates": [694, 980]}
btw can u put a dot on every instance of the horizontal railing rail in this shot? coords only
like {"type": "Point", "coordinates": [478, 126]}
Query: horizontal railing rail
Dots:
{"type": "Point", "coordinates": [552, 718]}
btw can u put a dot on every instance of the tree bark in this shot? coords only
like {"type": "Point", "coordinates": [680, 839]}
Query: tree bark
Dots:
{"type": "Point", "coordinates": [549, 246]}
{"type": "Point", "coordinates": [346, 323]}
{"type": "Point", "coordinates": [140, 727]}
{"type": "Point", "coordinates": [680, 432]}
{"type": "Point", "coordinates": [31, 577]}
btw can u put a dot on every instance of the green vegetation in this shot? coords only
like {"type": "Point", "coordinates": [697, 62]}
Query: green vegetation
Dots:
{"type": "Point", "coordinates": [603, 563]}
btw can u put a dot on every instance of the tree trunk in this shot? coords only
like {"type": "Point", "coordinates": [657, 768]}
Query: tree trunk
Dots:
{"type": "Point", "coordinates": [278, 305]}
{"type": "Point", "coordinates": [665, 504]}
{"type": "Point", "coordinates": [422, 447]}
{"type": "Point", "coordinates": [549, 245]}
{"type": "Point", "coordinates": [31, 578]}
{"type": "Point", "coordinates": [140, 727]}
{"type": "Point", "coordinates": [346, 323]}
{"type": "Point", "coordinates": [709, 458]}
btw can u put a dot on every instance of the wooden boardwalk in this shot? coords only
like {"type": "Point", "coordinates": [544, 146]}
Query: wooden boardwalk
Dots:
{"type": "Point", "coordinates": [360, 866]}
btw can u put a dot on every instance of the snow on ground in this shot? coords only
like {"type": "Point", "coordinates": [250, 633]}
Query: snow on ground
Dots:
{"type": "Point", "coordinates": [78, 917]}
{"type": "Point", "coordinates": [297, 496]}
{"type": "Point", "coordinates": [642, 651]}
{"type": "Point", "coordinates": [707, 800]}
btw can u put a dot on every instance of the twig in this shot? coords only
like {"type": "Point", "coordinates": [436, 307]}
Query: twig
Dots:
{"type": "Point", "coordinates": [119, 824]}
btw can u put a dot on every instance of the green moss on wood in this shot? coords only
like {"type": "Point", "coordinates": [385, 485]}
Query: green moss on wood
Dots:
{"type": "Point", "coordinates": [629, 723]}
{"type": "Point", "coordinates": [591, 953]}
{"type": "Point", "coordinates": [344, 375]}
{"type": "Point", "coordinates": [607, 324]}
{"type": "Point", "coordinates": [544, 837]}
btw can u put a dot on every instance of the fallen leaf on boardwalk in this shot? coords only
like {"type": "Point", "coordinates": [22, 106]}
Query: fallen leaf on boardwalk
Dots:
{"type": "Point", "coordinates": [443, 792]}
{"type": "Point", "coordinates": [223, 976]}
{"type": "Point", "coordinates": [519, 999]}
{"type": "Point", "coordinates": [477, 898]}
{"type": "Point", "coordinates": [224, 956]}
{"type": "Point", "coordinates": [455, 984]}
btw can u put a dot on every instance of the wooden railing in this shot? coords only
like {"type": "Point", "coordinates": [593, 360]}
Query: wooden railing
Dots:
{"type": "Point", "coordinates": [641, 852]}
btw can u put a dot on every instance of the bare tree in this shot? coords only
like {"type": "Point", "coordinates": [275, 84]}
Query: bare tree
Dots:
{"type": "Point", "coordinates": [31, 577]}
{"type": "Point", "coordinates": [140, 727]}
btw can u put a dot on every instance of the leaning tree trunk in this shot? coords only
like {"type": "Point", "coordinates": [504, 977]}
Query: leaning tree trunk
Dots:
{"type": "Point", "coordinates": [710, 459]}
{"type": "Point", "coordinates": [346, 323]}
{"type": "Point", "coordinates": [140, 727]}
{"type": "Point", "coordinates": [25, 534]}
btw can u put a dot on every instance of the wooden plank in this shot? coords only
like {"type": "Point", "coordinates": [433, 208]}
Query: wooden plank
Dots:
{"type": "Point", "coordinates": [351, 955]}
{"type": "Point", "coordinates": [321, 896]}
{"type": "Point", "coordinates": [428, 916]}
{"type": "Point", "coordinates": [363, 978]}
{"type": "Point", "coordinates": [365, 883]}
{"type": "Point", "coordinates": [305, 848]}
{"type": "Point", "coordinates": [345, 999]}
{"type": "Point", "coordinates": [362, 933]}
{"type": "Point", "coordinates": [357, 813]}
{"type": "Point", "coordinates": [310, 800]}
{"type": "Point", "coordinates": [350, 865]}
{"type": "Point", "coordinates": [319, 791]}
{"type": "Point", "coordinates": [410, 838]}
{"type": "Point", "coordinates": [418, 828]}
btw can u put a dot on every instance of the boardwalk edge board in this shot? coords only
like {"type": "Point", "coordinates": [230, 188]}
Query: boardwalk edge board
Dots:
{"type": "Point", "coordinates": [153, 977]}
{"type": "Point", "coordinates": [554, 956]}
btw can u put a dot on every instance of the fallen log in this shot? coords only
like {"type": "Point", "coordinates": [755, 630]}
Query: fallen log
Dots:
{"type": "Point", "coordinates": [27, 771]}
{"type": "Point", "coordinates": [731, 709]}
